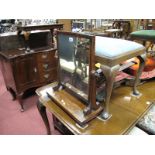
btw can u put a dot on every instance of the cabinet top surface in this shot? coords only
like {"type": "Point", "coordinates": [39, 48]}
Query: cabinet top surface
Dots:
{"type": "Point", "coordinates": [10, 54]}
{"type": "Point", "coordinates": [39, 27]}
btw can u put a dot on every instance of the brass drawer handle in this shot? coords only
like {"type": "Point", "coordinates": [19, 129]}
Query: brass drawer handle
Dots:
{"type": "Point", "coordinates": [46, 76]}
{"type": "Point", "coordinates": [35, 69]}
{"type": "Point", "coordinates": [44, 56]}
{"type": "Point", "coordinates": [45, 66]}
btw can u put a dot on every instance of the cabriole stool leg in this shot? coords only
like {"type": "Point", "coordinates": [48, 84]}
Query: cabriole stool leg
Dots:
{"type": "Point", "coordinates": [139, 72]}
{"type": "Point", "coordinates": [110, 74]}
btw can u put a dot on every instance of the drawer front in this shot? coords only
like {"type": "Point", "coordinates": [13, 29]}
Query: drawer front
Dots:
{"type": "Point", "coordinates": [50, 75]}
{"type": "Point", "coordinates": [46, 66]}
{"type": "Point", "coordinates": [47, 57]}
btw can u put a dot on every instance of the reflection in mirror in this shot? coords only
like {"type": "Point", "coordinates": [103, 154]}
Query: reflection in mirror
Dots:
{"type": "Point", "coordinates": [74, 54]}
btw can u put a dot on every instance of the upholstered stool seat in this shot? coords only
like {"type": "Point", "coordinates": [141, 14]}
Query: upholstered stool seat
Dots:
{"type": "Point", "coordinates": [115, 51]}
{"type": "Point", "coordinates": [146, 35]}
{"type": "Point", "coordinates": [147, 123]}
{"type": "Point", "coordinates": [111, 52]}
{"type": "Point", "coordinates": [137, 131]}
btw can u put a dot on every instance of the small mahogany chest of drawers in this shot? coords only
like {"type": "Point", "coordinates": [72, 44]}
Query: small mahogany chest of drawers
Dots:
{"type": "Point", "coordinates": [23, 71]}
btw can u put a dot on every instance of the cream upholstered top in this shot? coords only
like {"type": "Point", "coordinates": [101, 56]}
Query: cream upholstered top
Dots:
{"type": "Point", "coordinates": [112, 48]}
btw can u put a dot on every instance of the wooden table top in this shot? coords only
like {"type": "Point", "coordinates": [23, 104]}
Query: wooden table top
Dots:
{"type": "Point", "coordinates": [125, 108]}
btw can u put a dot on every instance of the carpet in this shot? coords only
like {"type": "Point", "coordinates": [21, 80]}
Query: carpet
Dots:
{"type": "Point", "coordinates": [14, 122]}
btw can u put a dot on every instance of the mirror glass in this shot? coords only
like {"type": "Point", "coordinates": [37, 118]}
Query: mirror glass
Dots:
{"type": "Point", "coordinates": [74, 51]}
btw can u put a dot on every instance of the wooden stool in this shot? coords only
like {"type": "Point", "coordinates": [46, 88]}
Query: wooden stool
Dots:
{"type": "Point", "coordinates": [143, 35]}
{"type": "Point", "coordinates": [111, 52]}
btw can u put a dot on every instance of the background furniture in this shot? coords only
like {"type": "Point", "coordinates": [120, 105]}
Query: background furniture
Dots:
{"type": "Point", "coordinates": [67, 24]}
{"type": "Point", "coordinates": [120, 28]}
{"type": "Point", "coordinates": [7, 25]}
{"type": "Point", "coordinates": [28, 28]}
{"type": "Point", "coordinates": [147, 37]}
{"type": "Point", "coordinates": [146, 24]}
{"type": "Point", "coordinates": [143, 35]}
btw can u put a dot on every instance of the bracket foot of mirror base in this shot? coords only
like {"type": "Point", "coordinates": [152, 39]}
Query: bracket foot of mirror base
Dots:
{"type": "Point", "coordinates": [87, 111]}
